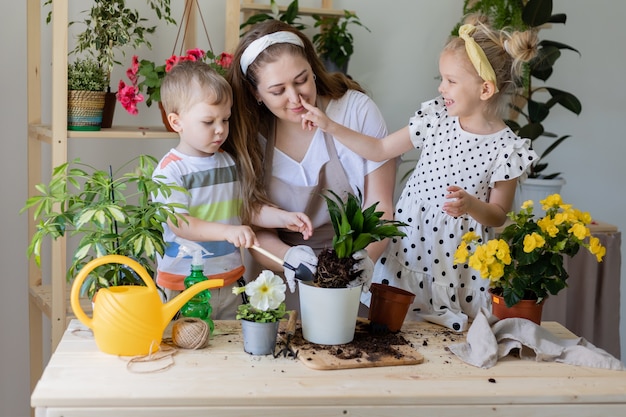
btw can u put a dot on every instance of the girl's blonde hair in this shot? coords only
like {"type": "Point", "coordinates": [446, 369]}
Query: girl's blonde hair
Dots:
{"type": "Point", "coordinates": [507, 52]}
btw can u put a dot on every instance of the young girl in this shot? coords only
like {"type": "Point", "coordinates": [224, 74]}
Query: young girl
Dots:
{"type": "Point", "coordinates": [466, 175]}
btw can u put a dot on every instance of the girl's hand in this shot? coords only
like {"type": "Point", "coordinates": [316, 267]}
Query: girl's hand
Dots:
{"type": "Point", "coordinates": [298, 222]}
{"type": "Point", "coordinates": [314, 117]}
{"type": "Point", "coordinates": [461, 202]}
{"type": "Point", "coordinates": [241, 236]}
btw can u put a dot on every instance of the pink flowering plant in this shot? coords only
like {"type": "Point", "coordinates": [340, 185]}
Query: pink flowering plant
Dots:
{"type": "Point", "coordinates": [146, 76]}
{"type": "Point", "coordinates": [526, 261]}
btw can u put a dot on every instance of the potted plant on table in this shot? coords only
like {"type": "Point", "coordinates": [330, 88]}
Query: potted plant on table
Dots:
{"type": "Point", "coordinates": [112, 213]}
{"type": "Point", "coordinates": [86, 82]}
{"type": "Point", "coordinates": [329, 305]}
{"type": "Point", "coordinates": [526, 261]}
{"type": "Point", "coordinates": [533, 102]}
{"type": "Point", "coordinates": [260, 316]}
{"type": "Point", "coordinates": [334, 43]}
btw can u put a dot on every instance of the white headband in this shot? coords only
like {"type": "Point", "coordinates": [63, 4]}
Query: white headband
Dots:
{"type": "Point", "coordinates": [255, 48]}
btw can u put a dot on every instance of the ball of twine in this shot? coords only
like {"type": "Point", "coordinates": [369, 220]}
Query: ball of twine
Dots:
{"type": "Point", "coordinates": [190, 333]}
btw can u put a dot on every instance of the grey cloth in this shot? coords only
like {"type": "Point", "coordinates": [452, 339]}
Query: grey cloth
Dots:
{"type": "Point", "coordinates": [489, 339]}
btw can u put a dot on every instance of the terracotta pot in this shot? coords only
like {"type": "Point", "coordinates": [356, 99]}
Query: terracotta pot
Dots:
{"type": "Point", "coordinates": [166, 123]}
{"type": "Point", "coordinates": [110, 100]}
{"type": "Point", "coordinates": [525, 309]}
{"type": "Point", "coordinates": [389, 305]}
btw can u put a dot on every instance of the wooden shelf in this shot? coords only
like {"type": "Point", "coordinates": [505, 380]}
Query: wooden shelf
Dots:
{"type": "Point", "coordinates": [304, 11]}
{"type": "Point", "coordinates": [44, 133]}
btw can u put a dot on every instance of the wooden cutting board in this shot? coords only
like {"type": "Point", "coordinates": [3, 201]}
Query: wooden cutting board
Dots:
{"type": "Point", "coordinates": [389, 349]}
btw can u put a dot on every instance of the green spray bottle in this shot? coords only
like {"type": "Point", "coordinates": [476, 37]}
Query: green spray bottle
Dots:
{"type": "Point", "coordinates": [199, 306]}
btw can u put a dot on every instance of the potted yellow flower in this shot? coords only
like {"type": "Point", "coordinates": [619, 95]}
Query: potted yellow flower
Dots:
{"type": "Point", "coordinates": [260, 316]}
{"type": "Point", "coordinates": [526, 261]}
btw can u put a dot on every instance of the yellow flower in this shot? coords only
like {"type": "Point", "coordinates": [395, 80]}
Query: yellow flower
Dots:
{"type": "Point", "coordinates": [579, 230]}
{"type": "Point", "coordinates": [461, 254]}
{"type": "Point", "coordinates": [560, 218]}
{"type": "Point", "coordinates": [596, 248]}
{"type": "Point", "coordinates": [547, 226]}
{"type": "Point", "coordinates": [496, 271]}
{"type": "Point", "coordinates": [550, 201]}
{"type": "Point", "coordinates": [470, 237]}
{"type": "Point", "coordinates": [527, 204]}
{"type": "Point", "coordinates": [533, 241]}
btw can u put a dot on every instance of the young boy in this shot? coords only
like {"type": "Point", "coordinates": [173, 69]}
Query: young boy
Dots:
{"type": "Point", "coordinates": [197, 101]}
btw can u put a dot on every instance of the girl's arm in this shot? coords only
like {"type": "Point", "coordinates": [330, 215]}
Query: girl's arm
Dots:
{"type": "Point", "coordinates": [490, 214]}
{"type": "Point", "coordinates": [367, 147]}
{"type": "Point", "coordinates": [272, 217]}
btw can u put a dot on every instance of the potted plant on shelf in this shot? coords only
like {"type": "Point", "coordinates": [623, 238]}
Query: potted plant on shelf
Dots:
{"type": "Point", "coordinates": [86, 82]}
{"type": "Point", "coordinates": [111, 26]}
{"type": "Point", "coordinates": [111, 212]}
{"type": "Point", "coordinates": [533, 103]}
{"type": "Point", "coordinates": [329, 305]}
{"type": "Point", "coordinates": [525, 264]}
{"type": "Point", "coordinates": [260, 316]}
{"type": "Point", "coordinates": [334, 43]}
{"type": "Point", "coordinates": [290, 16]}
{"type": "Point", "coordinates": [145, 75]}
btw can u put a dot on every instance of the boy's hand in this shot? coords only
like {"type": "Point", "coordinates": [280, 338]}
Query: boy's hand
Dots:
{"type": "Point", "coordinates": [314, 117]}
{"type": "Point", "coordinates": [241, 236]}
{"type": "Point", "coordinates": [299, 222]}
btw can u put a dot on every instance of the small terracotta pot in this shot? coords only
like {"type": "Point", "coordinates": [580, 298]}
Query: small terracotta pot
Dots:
{"type": "Point", "coordinates": [525, 309]}
{"type": "Point", "coordinates": [166, 122]}
{"type": "Point", "coordinates": [389, 305]}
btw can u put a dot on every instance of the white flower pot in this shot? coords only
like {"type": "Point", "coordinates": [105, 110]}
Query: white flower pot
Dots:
{"type": "Point", "coordinates": [328, 315]}
{"type": "Point", "coordinates": [536, 189]}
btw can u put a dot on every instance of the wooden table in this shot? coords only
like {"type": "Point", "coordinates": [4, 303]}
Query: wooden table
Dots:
{"type": "Point", "coordinates": [222, 380]}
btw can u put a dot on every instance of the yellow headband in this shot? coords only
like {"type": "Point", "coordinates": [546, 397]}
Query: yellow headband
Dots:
{"type": "Point", "coordinates": [477, 55]}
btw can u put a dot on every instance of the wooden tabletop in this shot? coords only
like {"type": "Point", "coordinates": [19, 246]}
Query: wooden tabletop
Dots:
{"type": "Point", "coordinates": [223, 380]}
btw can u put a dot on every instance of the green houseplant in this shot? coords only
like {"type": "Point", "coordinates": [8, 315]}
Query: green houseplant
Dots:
{"type": "Point", "coordinates": [290, 16]}
{"type": "Point", "coordinates": [533, 103]}
{"type": "Point", "coordinates": [334, 43]}
{"type": "Point", "coordinates": [109, 27]}
{"type": "Point", "coordinates": [355, 228]}
{"type": "Point", "coordinates": [111, 212]}
{"type": "Point", "coordinates": [526, 261]}
{"type": "Point", "coordinates": [86, 82]}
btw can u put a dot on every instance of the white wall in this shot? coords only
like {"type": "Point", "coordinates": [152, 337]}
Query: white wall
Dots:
{"type": "Point", "coordinates": [396, 62]}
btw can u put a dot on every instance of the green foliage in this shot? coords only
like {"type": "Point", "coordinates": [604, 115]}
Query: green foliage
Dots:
{"type": "Point", "coordinates": [356, 228]}
{"type": "Point", "coordinates": [112, 212]}
{"type": "Point", "coordinates": [290, 16]}
{"type": "Point", "coordinates": [247, 312]}
{"type": "Point", "coordinates": [524, 15]}
{"type": "Point", "coordinates": [86, 74]}
{"type": "Point", "coordinates": [110, 26]}
{"type": "Point", "coordinates": [334, 42]}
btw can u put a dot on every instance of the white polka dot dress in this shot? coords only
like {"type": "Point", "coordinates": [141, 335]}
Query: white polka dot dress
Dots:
{"type": "Point", "coordinates": [423, 261]}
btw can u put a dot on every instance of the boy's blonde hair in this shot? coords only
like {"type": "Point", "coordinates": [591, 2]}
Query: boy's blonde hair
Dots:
{"type": "Point", "coordinates": [506, 52]}
{"type": "Point", "coordinates": [190, 82]}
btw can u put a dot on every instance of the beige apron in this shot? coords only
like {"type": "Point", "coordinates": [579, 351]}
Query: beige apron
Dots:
{"type": "Point", "coordinates": [308, 199]}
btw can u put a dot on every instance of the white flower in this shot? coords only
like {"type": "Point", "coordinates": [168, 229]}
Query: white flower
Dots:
{"type": "Point", "coordinates": [267, 291]}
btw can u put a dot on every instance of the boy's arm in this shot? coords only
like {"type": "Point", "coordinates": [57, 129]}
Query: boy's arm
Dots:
{"type": "Point", "coordinates": [270, 217]}
{"type": "Point", "coordinates": [202, 231]}
{"type": "Point", "coordinates": [367, 147]}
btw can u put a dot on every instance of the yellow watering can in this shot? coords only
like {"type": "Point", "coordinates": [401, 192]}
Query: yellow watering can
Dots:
{"type": "Point", "coordinates": [130, 320]}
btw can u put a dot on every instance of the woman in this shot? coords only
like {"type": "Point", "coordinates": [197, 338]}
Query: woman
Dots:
{"type": "Point", "coordinates": [274, 68]}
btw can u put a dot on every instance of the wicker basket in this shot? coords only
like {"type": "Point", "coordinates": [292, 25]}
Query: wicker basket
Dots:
{"type": "Point", "coordinates": [84, 110]}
